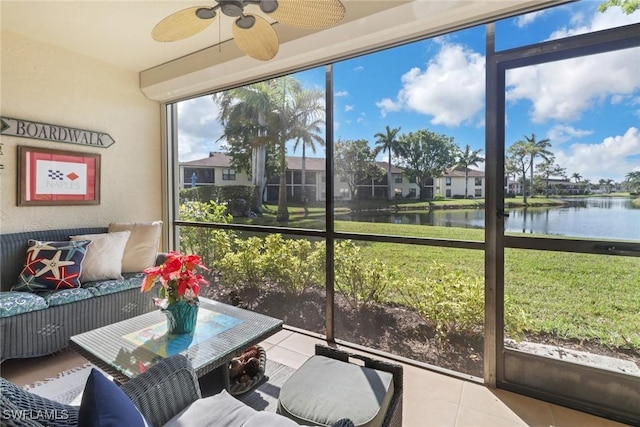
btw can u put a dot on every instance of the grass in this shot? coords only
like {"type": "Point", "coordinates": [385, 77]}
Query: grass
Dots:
{"type": "Point", "coordinates": [572, 296]}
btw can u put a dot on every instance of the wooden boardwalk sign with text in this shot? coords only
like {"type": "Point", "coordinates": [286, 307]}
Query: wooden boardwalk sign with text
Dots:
{"type": "Point", "coordinates": [47, 132]}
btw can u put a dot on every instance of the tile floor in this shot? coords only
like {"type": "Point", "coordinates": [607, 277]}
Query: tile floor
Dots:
{"type": "Point", "coordinates": [430, 399]}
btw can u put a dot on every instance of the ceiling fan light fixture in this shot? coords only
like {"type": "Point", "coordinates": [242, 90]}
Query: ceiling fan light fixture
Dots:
{"type": "Point", "coordinates": [268, 6]}
{"type": "Point", "coordinates": [206, 13]}
{"type": "Point", "coordinates": [246, 21]}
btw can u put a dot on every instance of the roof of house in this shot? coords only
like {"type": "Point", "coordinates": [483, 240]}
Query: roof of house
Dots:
{"type": "Point", "coordinates": [215, 159]}
{"type": "Point", "coordinates": [453, 172]}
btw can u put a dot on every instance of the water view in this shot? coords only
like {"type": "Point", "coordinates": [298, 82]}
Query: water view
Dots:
{"type": "Point", "coordinates": [612, 218]}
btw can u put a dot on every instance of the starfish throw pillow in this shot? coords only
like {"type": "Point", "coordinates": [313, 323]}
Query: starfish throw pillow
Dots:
{"type": "Point", "coordinates": [52, 266]}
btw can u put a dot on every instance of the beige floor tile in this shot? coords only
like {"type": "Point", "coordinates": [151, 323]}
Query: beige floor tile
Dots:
{"type": "Point", "coordinates": [535, 413]}
{"type": "Point", "coordinates": [468, 417]}
{"type": "Point", "coordinates": [286, 357]}
{"type": "Point", "coordinates": [301, 343]}
{"type": "Point", "coordinates": [565, 417]}
{"type": "Point", "coordinates": [429, 386]}
{"type": "Point", "coordinates": [435, 413]}
{"type": "Point", "coordinates": [278, 336]}
{"type": "Point", "coordinates": [483, 399]}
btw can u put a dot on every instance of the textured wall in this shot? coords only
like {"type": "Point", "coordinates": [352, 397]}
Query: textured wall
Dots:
{"type": "Point", "coordinates": [45, 84]}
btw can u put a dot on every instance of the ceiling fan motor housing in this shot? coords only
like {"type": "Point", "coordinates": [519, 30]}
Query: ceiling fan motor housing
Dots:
{"type": "Point", "coordinates": [232, 8]}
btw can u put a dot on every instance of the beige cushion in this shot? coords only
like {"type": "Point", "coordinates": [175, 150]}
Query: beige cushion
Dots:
{"type": "Point", "coordinates": [104, 256]}
{"type": "Point", "coordinates": [142, 248]}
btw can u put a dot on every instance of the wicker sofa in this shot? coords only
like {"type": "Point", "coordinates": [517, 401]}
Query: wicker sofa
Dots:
{"type": "Point", "coordinates": [47, 330]}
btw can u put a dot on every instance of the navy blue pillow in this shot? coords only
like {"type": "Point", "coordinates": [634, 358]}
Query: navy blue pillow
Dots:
{"type": "Point", "coordinates": [104, 404]}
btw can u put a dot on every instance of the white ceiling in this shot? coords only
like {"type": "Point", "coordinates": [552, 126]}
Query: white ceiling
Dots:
{"type": "Point", "coordinates": [118, 32]}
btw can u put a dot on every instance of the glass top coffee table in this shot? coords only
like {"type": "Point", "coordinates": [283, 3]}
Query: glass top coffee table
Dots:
{"type": "Point", "coordinates": [127, 348]}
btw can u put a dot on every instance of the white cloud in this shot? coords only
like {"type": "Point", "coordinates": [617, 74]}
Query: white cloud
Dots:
{"type": "Point", "coordinates": [198, 128]}
{"type": "Point", "coordinates": [387, 105]}
{"type": "Point", "coordinates": [609, 159]}
{"type": "Point", "coordinates": [524, 20]}
{"type": "Point", "coordinates": [450, 89]}
{"type": "Point", "coordinates": [562, 133]}
{"type": "Point", "coordinates": [341, 93]}
{"type": "Point", "coordinates": [359, 68]}
{"type": "Point", "coordinates": [348, 108]}
{"type": "Point", "coordinates": [564, 90]}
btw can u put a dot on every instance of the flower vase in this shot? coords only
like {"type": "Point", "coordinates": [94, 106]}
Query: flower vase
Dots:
{"type": "Point", "coordinates": [181, 316]}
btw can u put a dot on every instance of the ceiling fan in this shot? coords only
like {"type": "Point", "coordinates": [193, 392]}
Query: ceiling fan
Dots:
{"type": "Point", "coordinates": [252, 33]}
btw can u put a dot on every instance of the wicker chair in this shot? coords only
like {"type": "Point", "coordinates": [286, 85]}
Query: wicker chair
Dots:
{"type": "Point", "coordinates": [160, 393]}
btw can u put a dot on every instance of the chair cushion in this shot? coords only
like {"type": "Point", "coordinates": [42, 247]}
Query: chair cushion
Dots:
{"type": "Point", "coordinates": [52, 266]}
{"type": "Point", "coordinates": [13, 303]}
{"type": "Point", "coordinates": [324, 390]}
{"type": "Point", "coordinates": [223, 410]}
{"type": "Point", "coordinates": [103, 260]}
{"type": "Point", "coordinates": [142, 247]}
{"type": "Point", "coordinates": [106, 287]}
{"type": "Point", "coordinates": [104, 404]}
{"type": "Point", "coordinates": [66, 296]}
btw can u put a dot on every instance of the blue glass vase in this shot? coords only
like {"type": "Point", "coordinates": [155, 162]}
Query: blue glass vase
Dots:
{"type": "Point", "coordinates": [181, 317]}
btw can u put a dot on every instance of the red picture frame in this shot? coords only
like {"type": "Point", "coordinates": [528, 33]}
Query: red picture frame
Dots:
{"type": "Point", "coordinates": [48, 177]}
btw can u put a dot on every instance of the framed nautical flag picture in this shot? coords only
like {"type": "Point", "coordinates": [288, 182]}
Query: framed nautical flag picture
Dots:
{"type": "Point", "coordinates": [49, 177]}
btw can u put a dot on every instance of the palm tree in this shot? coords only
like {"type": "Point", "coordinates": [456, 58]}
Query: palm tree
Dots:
{"type": "Point", "coordinates": [536, 149]}
{"type": "Point", "coordinates": [577, 177]}
{"type": "Point", "coordinates": [268, 103]}
{"type": "Point", "coordinates": [306, 127]}
{"type": "Point", "coordinates": [386, 141]}
{"type": "Point", "coordinates": [633, 180]}
{"type": "Point", "coordinates": [465, 159]}
{"type": "Point", "coordinates": [245, 112]}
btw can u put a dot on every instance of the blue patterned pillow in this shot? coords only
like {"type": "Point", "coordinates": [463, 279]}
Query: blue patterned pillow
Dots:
{"type": "Point", "coordinates": [52, 266]}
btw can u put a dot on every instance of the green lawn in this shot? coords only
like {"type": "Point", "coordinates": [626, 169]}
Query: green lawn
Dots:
{"type": "Point", "coordinates": [576, 296]}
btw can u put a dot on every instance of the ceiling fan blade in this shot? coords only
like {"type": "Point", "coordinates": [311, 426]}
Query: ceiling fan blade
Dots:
{"type": "Point", "coordinates": [180, 25]}
{"type": "Point", "coordinates": [260, 41]}
{"type": "Point", "coordinates": [309, 13]}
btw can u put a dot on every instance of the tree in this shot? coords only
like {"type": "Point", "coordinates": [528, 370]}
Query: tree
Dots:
{"type": "Point", "coordinates": [355, 162]}
{"type": "Point", "coordinates": [549, 168]}
{"type": "Point", "coordinates": [247, 115]}
{"type": "Point", "coordinates": [465, 159]}
{"type": "Point", "coordinates": [518, 155]}
{"type": "Point", "coordinates": [536, 149]}
{"type": "Point", "coordinates": [627, 6]}
{"type": "Point", "coordinates": [577, 177]}
{"type": "Point", "coordinates": [386, 141]}
{"type": "Point", "coordinates": [426, 155]}
{"type": "Point", "coordinates": [272, 105]}
{"type": "Point", "coordinates": [633, 181]}
{"type": "Point", "coordinates": [306, 127]}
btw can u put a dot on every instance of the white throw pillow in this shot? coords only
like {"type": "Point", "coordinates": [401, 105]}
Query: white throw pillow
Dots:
{"type": "Point", "coordinates": [142, 248]}
{"type": "Point", "coordinates": [103, 260]}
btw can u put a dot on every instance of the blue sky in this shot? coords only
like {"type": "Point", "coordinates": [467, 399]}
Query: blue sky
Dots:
{"type": "Point", "coordinates": [589, 108]}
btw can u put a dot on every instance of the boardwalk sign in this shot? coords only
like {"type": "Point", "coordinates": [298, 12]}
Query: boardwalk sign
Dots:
{"type": "Point", "coordinates": [47, 132]}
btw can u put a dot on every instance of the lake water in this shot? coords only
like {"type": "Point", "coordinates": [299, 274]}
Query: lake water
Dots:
{"type": "Point", "coordinates": [612, 218]}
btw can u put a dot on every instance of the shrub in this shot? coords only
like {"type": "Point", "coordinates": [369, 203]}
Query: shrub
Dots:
{"type": "Point", "coordinates": [361, 281]}
{"type": "Point", "coordinates": [209, 243]}
{"type": "Point", "coordinates": [243, 267]}
{"type": "Point", "coordinates": [453, 303]}
{"type": "Point", "coordinates": [290, 263]}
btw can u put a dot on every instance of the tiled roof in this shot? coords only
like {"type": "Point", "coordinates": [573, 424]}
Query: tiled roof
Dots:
{"type": "Point", "coordinates": [223, 160]}
{"type": "Point", "coordinates": [458, 172]}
